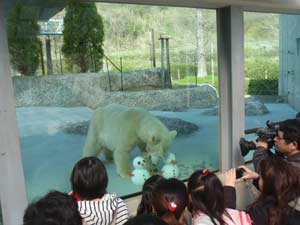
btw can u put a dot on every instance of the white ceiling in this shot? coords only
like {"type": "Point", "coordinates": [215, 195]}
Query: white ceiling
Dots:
{"type": "Point", "coordinates": [48, 8]}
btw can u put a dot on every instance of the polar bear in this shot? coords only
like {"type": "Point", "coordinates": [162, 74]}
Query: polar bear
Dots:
{"type": "Point", "coordinates": [116, 129]}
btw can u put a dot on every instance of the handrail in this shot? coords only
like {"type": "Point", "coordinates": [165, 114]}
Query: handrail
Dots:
{"type": "Point", "coordinates": [107, 58]}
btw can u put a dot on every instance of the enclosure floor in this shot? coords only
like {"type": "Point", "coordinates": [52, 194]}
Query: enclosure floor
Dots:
{"type": "Point", "coordinates": [49, 154]}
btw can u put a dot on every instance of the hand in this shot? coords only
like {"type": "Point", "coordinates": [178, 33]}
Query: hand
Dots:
{"type": "Point", "coordinates": [261, 144]}
{"type": "Point", "coordinates": [230, 178]}
{"type": "Point", "coordinates": [249, 174]}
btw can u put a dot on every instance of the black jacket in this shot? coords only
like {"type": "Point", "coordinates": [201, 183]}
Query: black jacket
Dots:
{"type": "Point", "coordinates": [261, 153]}
{"type": "Point", "coordinates": [260, 213]}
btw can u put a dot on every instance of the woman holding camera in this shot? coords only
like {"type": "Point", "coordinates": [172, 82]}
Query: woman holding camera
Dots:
{"type": "Point", "coordinates": [279, 201]}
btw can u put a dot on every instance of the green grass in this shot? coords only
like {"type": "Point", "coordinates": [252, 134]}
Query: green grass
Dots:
{"type": "Point", "coordinates": [191, 80]}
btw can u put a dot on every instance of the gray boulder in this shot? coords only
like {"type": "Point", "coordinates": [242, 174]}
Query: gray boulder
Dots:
{"type": "Point", "coordinates": [201, 96]}
{"type": "Point", "coordinates": [253, 107]}
{"type": "Point", "coordinates": [182, 127]}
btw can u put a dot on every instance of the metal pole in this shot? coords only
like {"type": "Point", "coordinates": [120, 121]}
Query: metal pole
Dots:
{"type": "Point", "coordinates": [168, 64]}
{"type": "Point", "coordinates": [163, 76]}
{"type": "Point", "coordinates": [153, 48]}
{"type": "Point", "coordinates": [42, 58]}
{"type": "Point", "coordinates": [55, 52]}
{"type": "Point", "coordinates": [121, 64]}
{"type": "Point", "coordinates": [61, 68]}
{"type": "Point", "coordinates": [49, 57]}
{"type": "Point", "coordinates": [108, 76]}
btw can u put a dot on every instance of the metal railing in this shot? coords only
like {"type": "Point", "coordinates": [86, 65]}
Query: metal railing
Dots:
{"type": "Point", "coordinates": [120, 69]}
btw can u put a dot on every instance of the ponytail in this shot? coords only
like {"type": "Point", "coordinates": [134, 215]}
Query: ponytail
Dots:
{"type": "Point", "coordinates": [169, 218]}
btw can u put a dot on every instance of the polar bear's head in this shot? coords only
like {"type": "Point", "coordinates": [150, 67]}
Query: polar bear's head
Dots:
{"type": "Point", "coordinates": [158, 145]}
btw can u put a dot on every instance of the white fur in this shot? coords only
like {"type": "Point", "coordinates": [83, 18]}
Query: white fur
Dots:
{"type": "Point", "coordinates": [116, 129]}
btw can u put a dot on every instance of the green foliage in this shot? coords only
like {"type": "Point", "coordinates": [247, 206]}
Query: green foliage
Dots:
{"type": "Point", "coordinates": [263, 87]}
{"type": "Point", "coordinates": [23, 42]}
{"type": "Point", "coordinates": [261, 68]}
{"type": "Point", "coordinates": [261, 27]}
{"type": "Point", "coordinates": [83, 36]}
{"type": "Point", "coordinates": [180, 71]}
{"type": "Point", "coordinates": [193, 80]}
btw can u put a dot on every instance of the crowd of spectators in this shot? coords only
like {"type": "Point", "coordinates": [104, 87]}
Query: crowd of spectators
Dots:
{"type": "Point", "coordinates": [204, 201]}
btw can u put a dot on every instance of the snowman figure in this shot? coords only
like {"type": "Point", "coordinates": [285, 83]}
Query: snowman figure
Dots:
{"type": "Point", "coordinates": [170, 169]}
{"type": "Point", "coordinates": [139, 175]}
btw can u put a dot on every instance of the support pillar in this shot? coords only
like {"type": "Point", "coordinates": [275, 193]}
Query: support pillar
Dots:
{"type": "Point", "coordinates": [230, 31]}
{"type": "Point", "coordinates": [12, 182]}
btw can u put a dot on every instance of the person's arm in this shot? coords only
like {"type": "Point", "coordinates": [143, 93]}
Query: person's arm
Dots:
{"type": "Point", "coordinates": [229, 189]}
{"type": "Point", "coordinates": [122, 214]}
{"type": "Point", "coordinates": [249, 174]}
{"type": "Point", "coordinates": [260, 153]}
{"type": "Point", "coordinates": [229, 197]}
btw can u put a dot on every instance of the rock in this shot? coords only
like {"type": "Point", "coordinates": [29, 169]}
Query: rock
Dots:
{"type": "Point", "coordinates": [202, 96]}
{"type": "Point", "coordinates": [92, 90]}
{"type": "Point", "coordinates": [65, 90]}
{"type": "Point", "coordinates": [80, 128]}
{"type": "Point", "coordinates": [181, 126]}
{"type": "Point", "coordinates": [253, 107]}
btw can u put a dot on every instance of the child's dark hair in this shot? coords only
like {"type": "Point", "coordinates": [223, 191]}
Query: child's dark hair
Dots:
{"type": "Point", "coordinates": [281, 184]}
{"type": "Point", "coordinates": [145, 220]}
{"type": "Point", "coordinates": [207, 195]}
{"type": "Point", "coordinates": [89, 178]}
{"type": "Point", "coordinates": [53, 208]}
{"type": "Point", "coordinates": [170, 199]}
{"type": "Point", "coordinates": [145, 206]}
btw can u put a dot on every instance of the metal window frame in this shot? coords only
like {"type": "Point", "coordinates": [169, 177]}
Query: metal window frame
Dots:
{"type": "Point", "coordinates": [230, 31]}
{"type": "Point", "coordinates": [12, 182]}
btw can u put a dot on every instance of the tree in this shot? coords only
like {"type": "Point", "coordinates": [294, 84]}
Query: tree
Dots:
{"type": "Point", "coordinates": [83, 36]}
{"type": "Point", "coordinates": [23, 42]}
{"type": "Point", "coordinates": [201, 64]}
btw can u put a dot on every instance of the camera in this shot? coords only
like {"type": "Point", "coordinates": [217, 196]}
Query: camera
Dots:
{"type": "Point", "coordinates": [265, 134]}
{"type": "Point", "coordinates": [239, 173]}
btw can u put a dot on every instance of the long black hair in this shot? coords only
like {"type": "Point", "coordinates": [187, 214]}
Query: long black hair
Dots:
{"type": "Point", "coordinates": [280, 185]}
{"type": "Point", "coordinates": [170, 199]}
{"type": "Point", "coordinates": [207, 195]}
{"type": "Point", "coordinates": [145, 206]}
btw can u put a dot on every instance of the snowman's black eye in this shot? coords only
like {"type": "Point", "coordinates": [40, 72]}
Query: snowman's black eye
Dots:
{"type": "Point", "coordinates": [144, 161]}
{"type": "Point", "coordinates": [139, 163]}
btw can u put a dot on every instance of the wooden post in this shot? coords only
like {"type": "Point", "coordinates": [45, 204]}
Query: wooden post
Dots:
{"type": "Point", "coordinates": [42, 58]}
{"type": "Point", "coordinates": [153, 49]}
{"type": "Point", "coordinates": [49, 57]}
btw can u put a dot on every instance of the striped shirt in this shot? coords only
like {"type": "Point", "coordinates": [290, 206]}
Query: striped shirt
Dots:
{"type": "Point", "coordinates": [110, 208]}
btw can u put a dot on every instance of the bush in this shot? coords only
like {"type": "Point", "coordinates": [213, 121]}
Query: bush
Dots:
{"type": "Point", "coordinates": [260, 67]}
{"type": "Point", "coordinates": [180, 71]}
{"type": "Point", "coordinates": [263, 87]}
{"type": "Point", "coordinates": [23, 42]}
{"type": "Point", "coordinates": [83, 36]}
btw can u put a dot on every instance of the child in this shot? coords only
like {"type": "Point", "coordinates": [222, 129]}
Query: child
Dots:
{"type": "Point", "coordinates": [170, 200]}
{"type": "Point", "coordinates": [53, 208]}
{"type": "Point", "coordinates": [207, 198]}
{"type": "Point", "coordinates": [89, 182]}
{"type": "Point", "coordinates": [145, 206]}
